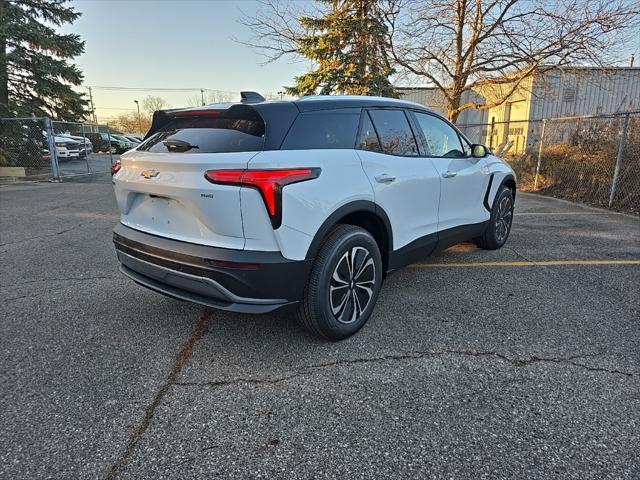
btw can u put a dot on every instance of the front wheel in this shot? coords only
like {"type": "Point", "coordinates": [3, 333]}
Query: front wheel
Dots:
{"type": "Point", "coordinates": [343, 285]}
{"type": "Point", "coordinates": [499, 227]}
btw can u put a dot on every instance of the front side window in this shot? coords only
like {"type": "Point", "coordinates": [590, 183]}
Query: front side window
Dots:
{"type": "Point", "coordinates": [207, 135]}
{"type": "Point", "coordinates": [330, 129]}
{"type": "Point", "coordinates": [442, 140]}
{"type": "Point", "coordinates": [396, 137]}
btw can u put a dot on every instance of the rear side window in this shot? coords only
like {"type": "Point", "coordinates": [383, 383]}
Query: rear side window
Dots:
{"type": "Point", "coordinates": [323, 130]}
{"type": "Point", "coordinates": [394, 132]}
{"type": "Point", "coordinates": [368, 136]}
{"type": "Point", "coordinates": [207, 135]}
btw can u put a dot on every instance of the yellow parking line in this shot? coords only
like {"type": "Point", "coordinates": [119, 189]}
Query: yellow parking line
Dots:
{"type": "Point", "coordinates": [563, 213]}
{"type": "Point", "coordinates": [525, 263]}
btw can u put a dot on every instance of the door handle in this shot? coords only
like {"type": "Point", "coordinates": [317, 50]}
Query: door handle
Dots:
{"type": "Point", "coordinates": [385, 178]}
{"type": "Point", "coordinates": [449, 174]}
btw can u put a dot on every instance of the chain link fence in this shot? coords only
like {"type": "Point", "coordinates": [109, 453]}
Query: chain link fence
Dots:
{"type": "Point", "coordinates": [39, 149]}
{"type": "Point", "coordinates": [593, 160]}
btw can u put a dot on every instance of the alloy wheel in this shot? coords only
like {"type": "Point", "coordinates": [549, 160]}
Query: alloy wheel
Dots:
{"type": "Point", "coordinates": [503, 218]}
{"type": "Point", "coordinates": [351, 285]}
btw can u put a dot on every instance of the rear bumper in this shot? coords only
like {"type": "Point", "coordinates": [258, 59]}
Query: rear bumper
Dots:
{"type": "Point", "coordinates": [191, 272]}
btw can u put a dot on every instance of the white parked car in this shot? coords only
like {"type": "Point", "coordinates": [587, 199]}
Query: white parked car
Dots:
{"type": "Point", "coordinates": [86, 147]}
{"type": "Point", "coordinates": [67, 148]}
{"type": "Point", "coordinates": [252, 207]}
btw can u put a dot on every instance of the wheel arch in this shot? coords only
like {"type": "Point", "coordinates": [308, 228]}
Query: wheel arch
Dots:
{"type": "Point", "coordinates": [364, 214]}
{"type": "Point", "coordinates": [508, 180]}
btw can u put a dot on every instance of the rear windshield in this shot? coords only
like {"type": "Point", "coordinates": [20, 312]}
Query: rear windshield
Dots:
{"type": "Point", "coordinates": [323, 130]}
{"type": "Point", "coordinates": [207, 135]}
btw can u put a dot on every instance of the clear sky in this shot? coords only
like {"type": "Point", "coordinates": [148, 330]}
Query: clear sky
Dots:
{"type": "Point", "coordinates": [170, 44]}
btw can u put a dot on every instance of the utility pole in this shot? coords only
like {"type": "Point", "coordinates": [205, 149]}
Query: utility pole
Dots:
{"type": "Point", "coordinates": [202, 96]}
{"type": "Point", "coordinates": [93, 110]}
{"type": "Point", "coordinates": [139, 118]}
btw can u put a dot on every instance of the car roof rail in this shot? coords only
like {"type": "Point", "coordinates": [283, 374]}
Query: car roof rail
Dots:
{"type": "Point", "coordinates": [251, 97]}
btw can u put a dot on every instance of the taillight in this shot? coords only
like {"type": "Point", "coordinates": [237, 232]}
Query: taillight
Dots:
{"type": "Point", "coordinates": [115, 168]}
{"type": "Point", "coordinates": [205, 112]}
{"type": "Point", "coordinates": [268, 182]}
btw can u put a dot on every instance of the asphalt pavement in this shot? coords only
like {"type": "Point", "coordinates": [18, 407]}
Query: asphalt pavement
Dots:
{"type": "Point", "coordinates": [517, 363]}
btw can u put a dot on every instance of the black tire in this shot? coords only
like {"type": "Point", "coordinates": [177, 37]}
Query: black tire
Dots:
{"type": "Point", "coordinates": [499, 227]}
{"type": "Point", "coordinates": [319, 302]}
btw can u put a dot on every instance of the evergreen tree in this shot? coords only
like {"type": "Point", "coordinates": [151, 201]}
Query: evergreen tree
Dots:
{"type": "Point", "coordinates": [36, 73]}
{"type": "Point", "coordinates": [348, 48]}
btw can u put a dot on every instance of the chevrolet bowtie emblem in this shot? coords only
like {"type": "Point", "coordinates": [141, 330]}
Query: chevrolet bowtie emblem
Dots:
{"type": "Point", "coordinates": [149, 173]}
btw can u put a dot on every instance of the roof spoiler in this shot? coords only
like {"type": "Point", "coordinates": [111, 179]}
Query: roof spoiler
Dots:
{"type": "Point", "coordinates": [251, 97]}
{"type": "Point", "coordinates": [238, 110]}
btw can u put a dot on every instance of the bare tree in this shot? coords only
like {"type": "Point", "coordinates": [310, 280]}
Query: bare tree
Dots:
{"type": "Point", "coordinates": [494, 46]}
{"type": "Point", "coordinates": [211, 96]}
{"type": "Point", "coordinates": [275, 28]}
{"type": "Point", "coordinates": [151, 104]}
{"type": "Point", "coordinates": [129, 123]}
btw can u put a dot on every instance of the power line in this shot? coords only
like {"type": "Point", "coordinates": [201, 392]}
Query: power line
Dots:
{"type": "Point", "coordinates": [158, 89]}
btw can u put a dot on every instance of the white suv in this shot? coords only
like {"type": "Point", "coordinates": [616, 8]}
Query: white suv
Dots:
{"type": "Point", "coordinates": [257, 205]}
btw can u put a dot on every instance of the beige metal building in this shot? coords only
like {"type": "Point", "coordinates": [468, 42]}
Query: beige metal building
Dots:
{"type": "Point", "coordinates": [568, 91]}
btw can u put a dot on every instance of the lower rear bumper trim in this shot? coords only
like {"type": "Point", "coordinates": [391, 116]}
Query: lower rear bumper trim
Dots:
{"type": "Point", "coordinates": [177, 293]}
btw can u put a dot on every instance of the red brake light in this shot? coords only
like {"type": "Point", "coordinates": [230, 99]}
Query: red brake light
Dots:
{"type": "Point", "coordinates": [268, 182]}
{"type": "Point", "coordinates": [203, 112]}
{"type": "Point", "coordinates": [115, 168]}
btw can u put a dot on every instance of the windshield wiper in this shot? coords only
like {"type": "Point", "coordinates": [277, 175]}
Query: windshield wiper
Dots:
{"type": "Point", "coordinates": [174, 145]}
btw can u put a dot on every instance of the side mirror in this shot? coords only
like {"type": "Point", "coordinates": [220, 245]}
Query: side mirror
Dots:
{"type": "Point", "coordinates": [479, 151]}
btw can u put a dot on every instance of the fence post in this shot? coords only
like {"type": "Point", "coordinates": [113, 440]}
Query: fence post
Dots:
{"type": "Point", "coordinates": [53, 155]}
{"type": "Point", "coordinates": [493, 124]}
{"type": "Point", "coordinates": [110, 152]}
{"type": "Point", "coordinates": [616, 171]}
{"type": "Point", "coordinates": [84, 146]}
{"type": "Point", "coordinates": [535, 180]}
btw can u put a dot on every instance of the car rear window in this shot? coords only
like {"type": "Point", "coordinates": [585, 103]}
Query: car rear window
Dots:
{"type": "Point", "coordinates": [323, 130]}
{"type": "Point", "coordinates": [207, 135]}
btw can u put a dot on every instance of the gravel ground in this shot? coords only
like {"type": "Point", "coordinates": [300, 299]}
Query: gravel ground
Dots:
{"type": "Point", "coordinates": [515, 369]}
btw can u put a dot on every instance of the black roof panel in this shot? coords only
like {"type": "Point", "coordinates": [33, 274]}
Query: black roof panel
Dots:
{"type": "Point", "coordinates": [325, 102]}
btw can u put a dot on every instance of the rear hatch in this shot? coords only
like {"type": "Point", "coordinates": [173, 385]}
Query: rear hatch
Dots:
{"type": "Point", "coordinates": [161, 188]}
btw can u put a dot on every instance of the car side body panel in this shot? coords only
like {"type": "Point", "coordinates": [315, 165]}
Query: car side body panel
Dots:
{"type": "Point", "coordinates": [306, 205]}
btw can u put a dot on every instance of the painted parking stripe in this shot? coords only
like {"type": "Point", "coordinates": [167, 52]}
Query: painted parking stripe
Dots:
{"type": "Point", "coordinates": [525, 263]}
{"type": "Point", "coordinates": [563, 213]}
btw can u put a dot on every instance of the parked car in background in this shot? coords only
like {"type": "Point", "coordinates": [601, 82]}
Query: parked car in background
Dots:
{"type": "Point", "coordinates": [135, 142]}
{"type": "Point", "coordinates": [137, 136]}
{"type": "Point", "coordinates": [86, 147]}
{"type": "Point", "coordinates": [67, 148]}
{"type": "Point", "coordinates": [255, 206]}
{"type": "Point", "coordinates": [103, 142]}
{"type": "Point", "coordinates": [128, 144]}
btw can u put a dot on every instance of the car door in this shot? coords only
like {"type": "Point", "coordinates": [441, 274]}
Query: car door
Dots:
{"type": "Point", "coordinates": [464, 178]}
{"type": "Point", "coordinates": [406, 185]}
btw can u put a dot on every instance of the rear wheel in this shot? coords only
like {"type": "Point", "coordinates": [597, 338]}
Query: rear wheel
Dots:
{"type": "Point", "coordinates": [343, 285]}
{"type": "Point", "coordinates": [499, 227]}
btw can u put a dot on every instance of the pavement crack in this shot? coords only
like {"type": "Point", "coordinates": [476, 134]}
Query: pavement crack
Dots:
{"type": "Point", "coordinates": [178, 364]}
{"type": "Point", "coordinates": [61, 279]}
{"type": "Point", "coordinates": [61, 232]}
{"type": "Point", "coordinates": [518, 362]}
